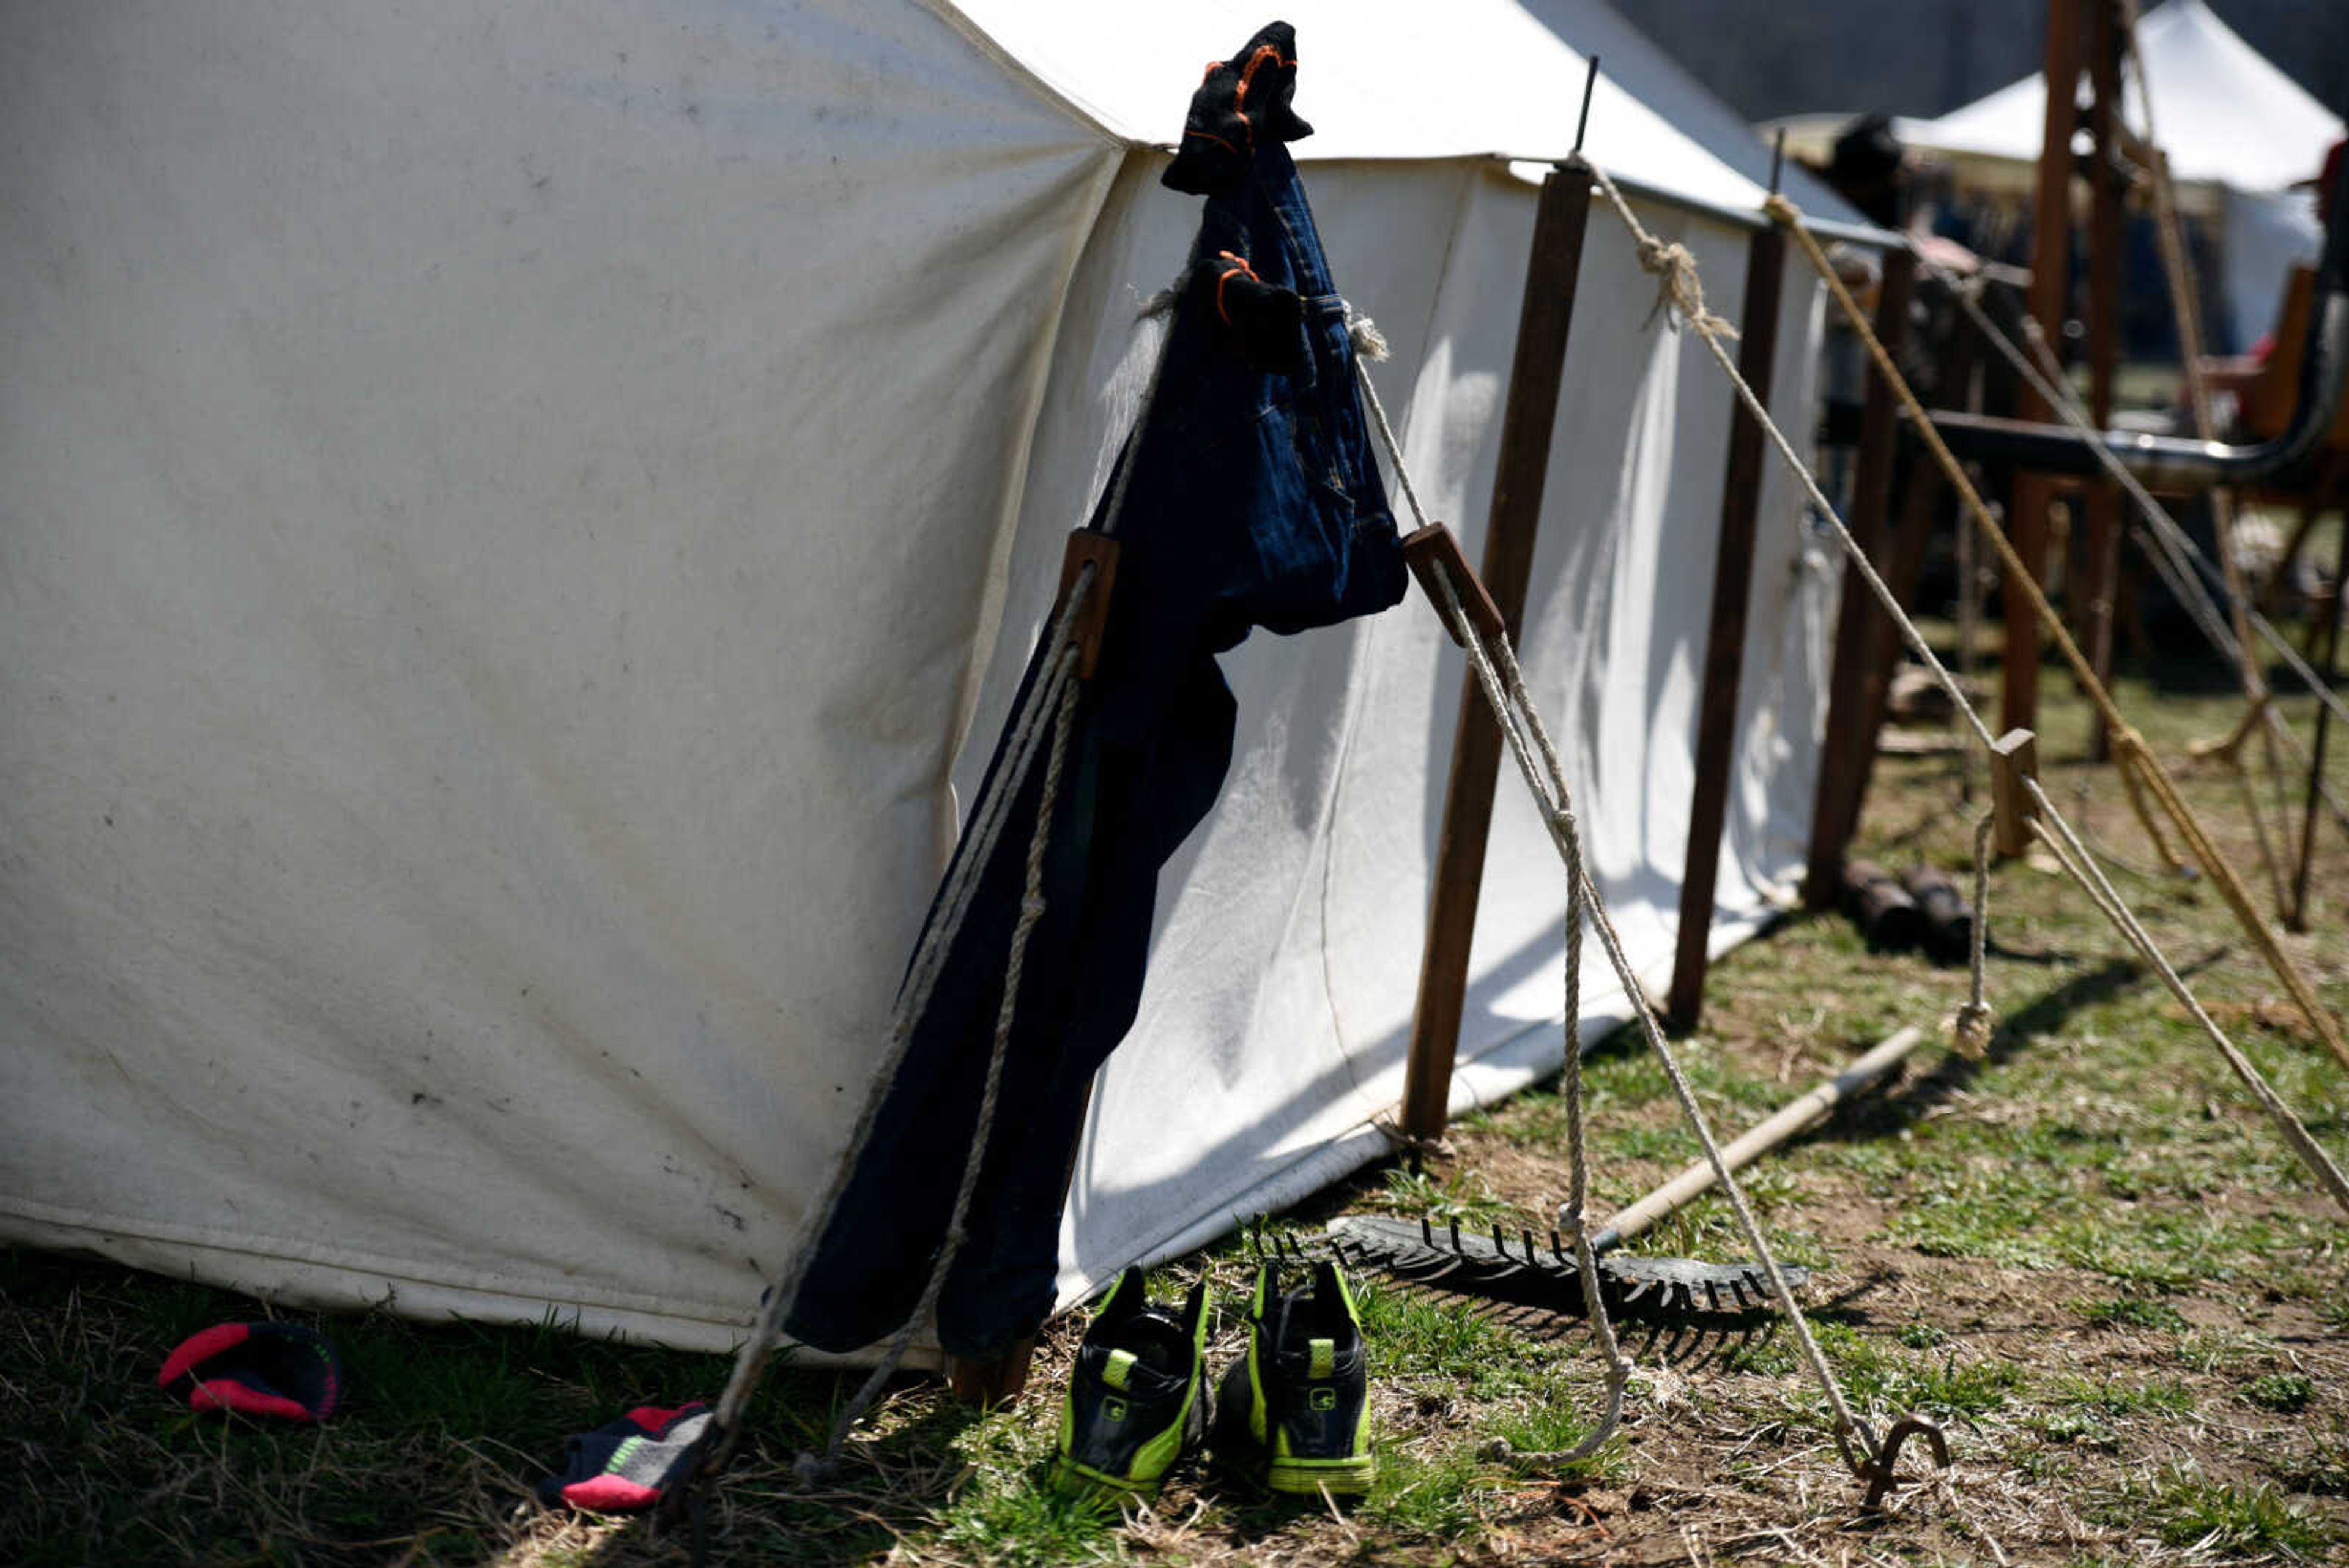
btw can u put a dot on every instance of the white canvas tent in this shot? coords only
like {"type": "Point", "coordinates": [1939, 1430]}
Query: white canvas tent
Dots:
{"type": "Point", "coordinates": [516, 520]}
{"type": "Point", "coordinates": [2233, 124]}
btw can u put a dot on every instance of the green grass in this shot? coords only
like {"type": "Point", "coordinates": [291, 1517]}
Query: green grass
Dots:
{"type": "Point", "coordinates": [2119, 1396]}
{"type": "Point", "coordinates": [2131, 1312]}
{"type": "Point", "coordinates": [1463, 1197]}
{"type": "Point", "coordinates": [2182, 1507]}
{"type": "Point", "coordinates": [1886, 1377]}
{"type": "Point", "coordinates": [1429, 1492]}
{"type": "Point", "coordinates": [2283, 1391]}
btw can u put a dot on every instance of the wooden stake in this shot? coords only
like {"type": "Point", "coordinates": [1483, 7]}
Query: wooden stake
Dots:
{"type": "Point", "coordinates": [1698, 1179]}
{"type": "Point", "coordinates": [2014, 758]}
{"type": "Point", "coordinates": [1543, 320]}
{"type": "Point", "coordinates": [1434, 555]}
{"type": "Point", "coordinates": [1088, 548]}
{"type": "Point", "coordinates": [1724, 652]}
{"type": "Point", "coordinates": [2100, 555]}
{"type": "Point", "coordinates": [2051, 266]}
{"type": "Point", "coordinates": [1904, 571]}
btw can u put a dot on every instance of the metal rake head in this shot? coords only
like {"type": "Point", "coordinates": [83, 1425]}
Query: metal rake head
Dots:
{"type": "Point", "coordinates": [1521, 1270]}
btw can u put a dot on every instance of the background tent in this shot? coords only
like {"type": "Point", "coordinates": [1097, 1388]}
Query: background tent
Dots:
{"type": "Point", "coordinates": [2233, 125]}
{"type": "Point", "coordinates": [516, 520]}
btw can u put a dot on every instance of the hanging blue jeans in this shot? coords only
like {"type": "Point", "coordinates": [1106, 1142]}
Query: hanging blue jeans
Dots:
{"type": "Point", "coordinates": [1252, 500]}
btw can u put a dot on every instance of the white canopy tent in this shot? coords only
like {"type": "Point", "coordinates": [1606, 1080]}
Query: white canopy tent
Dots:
{"type": "Point", "coordinates": [2230, 122]}
{"type": "Point", "coordinates": [515, 521]}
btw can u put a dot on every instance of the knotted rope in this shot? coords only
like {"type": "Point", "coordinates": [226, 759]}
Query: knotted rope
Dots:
{"type": "Point", "coordinates": [810, 1469]}
{"type": "Point", "coordinates": [1971, 1031]}
{"type": "Point", "coordinates": [2180, 563]}
{"type": "Point", "coordinates": [1502, 682]}
{"type": "Point", "coordinates": [1679, 289]}
{"type": "Point", "coordinates": [2064, 844]}
{"type": "Point", "coordinates": [1785, 212]}
{"type": "Point", "coordinates": [2127, 745]}
{"type": "Point", "coordinates": [1053, 698]}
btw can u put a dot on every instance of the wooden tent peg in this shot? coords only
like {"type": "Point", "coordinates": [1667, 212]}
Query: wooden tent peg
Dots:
{"type": "Point", "coordinates": [1434, 555]}
{"type": "Point", "coordinates": [2014, 760]}
{"type": "Point", "coordinates": [1088, 546]}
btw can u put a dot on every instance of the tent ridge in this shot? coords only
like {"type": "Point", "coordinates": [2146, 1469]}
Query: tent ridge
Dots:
{"type": "Point", "coordinates": [1093, 118]}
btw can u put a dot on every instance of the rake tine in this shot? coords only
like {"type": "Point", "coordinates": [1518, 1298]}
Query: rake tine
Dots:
{"type": "Point", "coordinates": [1487, 1260]}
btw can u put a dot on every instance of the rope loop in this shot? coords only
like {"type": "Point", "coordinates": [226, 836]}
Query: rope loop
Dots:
{"type": "Point", "coordinates": [1970, 1032]}
{"type": "Point", "coordinates": [1363, 333]}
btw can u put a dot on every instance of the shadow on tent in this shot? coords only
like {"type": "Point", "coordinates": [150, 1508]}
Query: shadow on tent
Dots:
{"type": "Point", "coordinates": [1247, 1155]}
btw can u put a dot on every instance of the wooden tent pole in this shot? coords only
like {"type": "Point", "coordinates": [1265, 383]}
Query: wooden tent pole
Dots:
{"type": "Point", "coordinates": [1904, 569]}
{"type": "Point", "coordinates": [1724, 652]}
{"type": "Point", "coordinates": [2101, 554]}
{"type": "Point", "coordinates": [2051, 269]}
{"type": "Point", "coordinates": [1535, 370]}
{"type": "Point", "coordinates": [1842, 763]}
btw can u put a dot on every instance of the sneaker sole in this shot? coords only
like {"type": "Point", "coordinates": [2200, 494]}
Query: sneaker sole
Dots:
{"type": "Point", "coordinates": [1310, 1478]}
{"type": "Point", "coordinates": [1073, 1480]}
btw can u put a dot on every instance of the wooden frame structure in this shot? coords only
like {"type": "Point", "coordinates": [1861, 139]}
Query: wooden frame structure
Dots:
{"type": "Point", "coordinates": [1725, 653]}
{"type": "Point", "coordinates": [1536, 370]}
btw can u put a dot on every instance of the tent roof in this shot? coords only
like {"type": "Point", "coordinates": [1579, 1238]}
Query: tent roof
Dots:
{"type": "Point", "coordinates": [2226, 115]}
{"type": "Point", "coordinates": [1402, 79]}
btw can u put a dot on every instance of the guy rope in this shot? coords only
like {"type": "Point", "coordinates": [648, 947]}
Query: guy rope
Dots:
{"type": "Point", "coordinates": [2129, 748]}
{"type": "Point", "coordinates": [1498, 675]}
{"type": "Point", "coordinates": [2042, 814]}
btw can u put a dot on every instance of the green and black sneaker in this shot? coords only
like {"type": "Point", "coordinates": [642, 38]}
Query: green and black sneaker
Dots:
{"type": "Point", "coordinates": [1294, 1413]}
{"type": "Point", "coordinates": [1137, 1396]}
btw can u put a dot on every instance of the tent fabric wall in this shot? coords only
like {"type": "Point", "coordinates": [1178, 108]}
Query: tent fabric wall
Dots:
{"type": "Point", "coordinates": [2226, 115]}
{"type": "Point", "coordinates": [2238, 132]}
{"type": "Point", "coordinates": [1272, 1034]}
{"type": "Point", "coordinates": [504, 575]}
{"type": "Point", "coordinates": [488, 606]}
{"type": "Point", "coordinates": [2266, 234]}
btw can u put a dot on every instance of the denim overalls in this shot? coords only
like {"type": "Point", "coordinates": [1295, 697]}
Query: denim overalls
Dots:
{"type": "Point", "coordinates": [1252, 500]}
